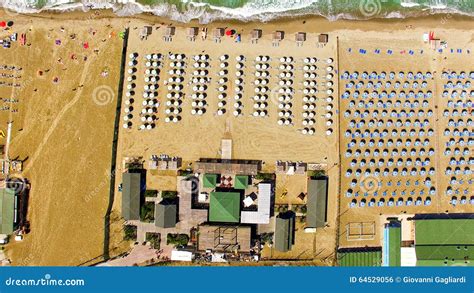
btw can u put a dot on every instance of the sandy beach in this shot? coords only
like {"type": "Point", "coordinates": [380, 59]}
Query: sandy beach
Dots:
{"type": "Point", "coordinates": [64, 125]}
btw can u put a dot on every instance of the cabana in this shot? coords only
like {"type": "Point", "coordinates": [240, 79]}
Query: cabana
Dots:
{"type": "Point", "coordinates": [170, 31]}
{"type": "Point", "coordinates": [192, 33]}
{"type": "Point", "coordinates": [300, 38]}
{"type": "Point", "coordinates": [218, 34]}
{"type": "Point", "coordinates": [323, 39]}
{"type": "Point", "coordinates": [145, 32]}
{"type": "Point", "coordinates": [256, 35]}
{"type": "Point", "coordinates": [278, 36]}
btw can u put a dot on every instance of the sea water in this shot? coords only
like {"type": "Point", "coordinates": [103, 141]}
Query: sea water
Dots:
{"type": "Point", "coordinates": [248, 10]}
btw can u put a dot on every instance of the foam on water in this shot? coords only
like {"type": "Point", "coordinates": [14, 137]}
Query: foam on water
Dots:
{"type": "Point", "coordinates": [248, 10]}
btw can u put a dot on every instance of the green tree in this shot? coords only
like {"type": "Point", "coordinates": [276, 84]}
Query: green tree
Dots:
{"type": "Point", "coordinates": [130, 232]}
{"type": "Point", "coordinates": [177, 239]}
{"type": "Point", "coordinates": [169, 194]}
{"type": "Point", "coordinates": [147, 212]}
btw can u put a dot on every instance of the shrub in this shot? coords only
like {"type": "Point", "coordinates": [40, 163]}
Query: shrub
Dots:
{"type": "Point", "coordinates": [316, 173]}
{"type": "Point", "coordinates": [151, 193]}
{"type": "Point", "coordinates": [147, 212]}
{"type": "Point", "coordinates": [264, 176]}
{"type": "Point", "coordinates": [177, 239]}
{"type": "Point", "coordinates": [266, 238]}
{"type": "Point", "coordinates": [154, 239]}
{"type": "Point", "coordinates": [130, 232]}
{"type": "Point", "coordinates": [304, 209]}
{"type": "Point", "coordinates": [169, 194]}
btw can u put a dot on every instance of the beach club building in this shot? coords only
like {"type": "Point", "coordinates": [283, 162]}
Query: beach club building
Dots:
{"type": "Point", "coordinates": [226, 189]}
{"type": "Point", "coordinates": [444, 241]}
{"type": "Point", "coordinates": [233, 201]}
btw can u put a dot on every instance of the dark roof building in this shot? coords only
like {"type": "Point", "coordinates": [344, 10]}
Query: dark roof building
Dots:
{"type": "Point", "coordinates": [165, 215]}
{"type": "Point", "coordinates": [131, 196]}
{"type": "Point", "coordinates": [284, 230]}
{"type": "Point", "coordinates": [316, 215]}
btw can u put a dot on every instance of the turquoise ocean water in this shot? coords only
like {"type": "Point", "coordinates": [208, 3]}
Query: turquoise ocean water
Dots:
{"type": "Point", "coordinates": [264, 10]}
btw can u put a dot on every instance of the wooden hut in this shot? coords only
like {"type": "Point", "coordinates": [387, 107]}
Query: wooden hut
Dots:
{"type": "Point", "coordinates": [170, 31]}
{"type": "Point", "coordinates": [256, 35]}
{"type": "Point", "coordinates": [300, 38]}
{"type": "Point", "coordinates": [192, 33]}
{"type": "Point", "coordinates": [323, 39]}
{"type": "Point", "coordinates": [278, 36]}
{"type": "Point", "coordinates": [218, 34]}
{"type": "Point", "coordinates": [145, 32]}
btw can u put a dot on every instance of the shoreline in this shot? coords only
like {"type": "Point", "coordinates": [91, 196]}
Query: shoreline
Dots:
{"type": "Point", "coordinates": [206, 13]}
{"type": "Point", "coordinates": [284, 17]}
{"type": "Point", "coordinates": [302, 22]}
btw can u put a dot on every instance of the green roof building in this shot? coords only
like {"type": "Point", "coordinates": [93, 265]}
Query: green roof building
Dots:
{"type": "Point", "coordinates": [7, 210]}
{"type": "Point", "coordinates": [284, 230]}
{"type": "Point", "coordinates": [241, 182]}
{"type": "Point", "coordinates": [209, 180]}
{"type": "Point", "coordinates": [224, 207]}
{"type": "Point", "coordinates": [316, 214]}
{"type": "Point", "coordinates": [131, 196]}
{"type": "Point", "coordinates": [444, 242]}
{"type": "Point", "coordinates": [359, 257]}
{"type": "Point", "coordinates": [165, 215]}
{"type": "Point", "coordinates": [392, 244]}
